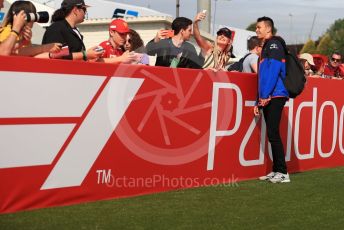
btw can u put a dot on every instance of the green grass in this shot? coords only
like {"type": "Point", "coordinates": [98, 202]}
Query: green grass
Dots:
{"type": "Point", "coordinates": [313, 200]}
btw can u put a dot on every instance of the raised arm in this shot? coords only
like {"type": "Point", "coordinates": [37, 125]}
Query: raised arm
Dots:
{"type": "Point", "coordinates": [202, 43]}
{"type": "Point", "coordinates": [153, 46]}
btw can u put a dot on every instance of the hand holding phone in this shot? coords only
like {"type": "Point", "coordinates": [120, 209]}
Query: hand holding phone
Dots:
{"type": "Point", "coordinates": [63, 52]}
{"type": "Point", "coordinates": [136, 57]}
{"type": "Point", "coordinates": [200, 16]}
{"type": "Point", "coordinates": [169, 33]}
{"type": "Point", "coordinates": [99, 49]}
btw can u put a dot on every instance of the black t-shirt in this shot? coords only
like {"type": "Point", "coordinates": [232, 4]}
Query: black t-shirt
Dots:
{"type": "Point", "coordinates": [62, 32]}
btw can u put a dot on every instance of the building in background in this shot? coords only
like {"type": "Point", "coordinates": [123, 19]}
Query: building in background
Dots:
{"type": "Point", "coordinates": [145, 21]}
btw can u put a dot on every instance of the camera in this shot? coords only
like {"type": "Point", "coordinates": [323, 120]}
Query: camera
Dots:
{"type": "Point", "coordinates": [40, 17]}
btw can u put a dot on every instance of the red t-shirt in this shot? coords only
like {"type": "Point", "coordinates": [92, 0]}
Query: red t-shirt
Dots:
{"type": "Point", "coordinates": [109, 51]}
{"type": "Point", "coordinates": [334, 72]}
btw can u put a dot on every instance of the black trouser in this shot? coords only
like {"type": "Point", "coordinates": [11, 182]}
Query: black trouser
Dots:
{"type": "Point", "coordinates": [272, 114]}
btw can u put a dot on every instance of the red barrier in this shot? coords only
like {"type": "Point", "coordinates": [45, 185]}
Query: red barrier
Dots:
{"type": "Point", "coordinates": [73, 132]}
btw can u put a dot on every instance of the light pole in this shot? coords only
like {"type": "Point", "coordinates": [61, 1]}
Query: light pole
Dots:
{"type": "Point", "coordinates": [201, 6]}
{"type": "Point", "coordinates": [291, 28]}
{"type": "Point", "coordinates": [215, 1]}
{"type": "Point", "coordinates": [177, 8]}
{"type": "Point", "coordinates": [310, 32]}
{"type": "Point", "coordinates": [214, 16]}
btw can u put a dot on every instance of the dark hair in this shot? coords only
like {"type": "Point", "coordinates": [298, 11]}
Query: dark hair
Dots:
{"type": "Point", "coordinates": [269, 22]}
{"type": "Point", "coordinates": [180, 23]}
{"type": "Point", "coordinates": [136, 42]}
{"type": "Point", "coordinates": [224, 31]}
{"type": "Point", "coordinates": [336, 53]}
{"type": "Point", "coordinates": [61, 13]}
{"type": "Point", "coordinates": [253, 42]}
{"type": "Point", "coordinates": [16, 7]}
{"type": "Point", "coordinates": [303, 61]}
{"type": "Point", "coordinates": [231, 52]}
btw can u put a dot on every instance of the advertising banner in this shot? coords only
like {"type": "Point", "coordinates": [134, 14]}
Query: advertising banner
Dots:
{"type": "Point", "coordinates": [74, 132]}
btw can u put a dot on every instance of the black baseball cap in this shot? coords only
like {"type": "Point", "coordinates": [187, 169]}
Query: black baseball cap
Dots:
{"type": "Point", "coordinates": [72, 3]}
{"type": "Point", "coordinates": [224, 31]}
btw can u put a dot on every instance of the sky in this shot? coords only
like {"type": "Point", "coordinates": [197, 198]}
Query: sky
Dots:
{"type": "Point", "coordinates": [293, 18]}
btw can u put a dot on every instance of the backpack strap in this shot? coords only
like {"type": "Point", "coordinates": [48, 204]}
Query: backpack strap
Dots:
{"type": "Point", "coordinates": [243, 59]}
{"type": "Point", "coordinates": [286, 51]}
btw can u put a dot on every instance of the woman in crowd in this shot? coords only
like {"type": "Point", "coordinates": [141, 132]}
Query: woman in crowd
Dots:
{"type": "Point", "coordinates": [9, 33]}
{"type": "Point", "coordinates": [15, 33]}
{"type": "Point", "coordinates": [216, 56]}
{"type": "Point", "coordinates": [307, 62]}
{"type": "Point", "coordinates": [64, 30]}
{"type": "Point", "coordinates": [135, 43]}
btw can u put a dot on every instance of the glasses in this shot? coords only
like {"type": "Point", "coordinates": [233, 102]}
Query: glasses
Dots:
{"type": "Point", "coordinates": [335, 59]}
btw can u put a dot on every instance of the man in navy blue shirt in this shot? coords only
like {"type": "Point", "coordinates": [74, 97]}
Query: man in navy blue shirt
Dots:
{"type": "Point", "coordinates": [272, 95]}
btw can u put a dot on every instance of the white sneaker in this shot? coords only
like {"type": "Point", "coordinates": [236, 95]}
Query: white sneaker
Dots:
{"type": "Point", "coordinates": [280, 178]}
{"type": "Point", "coordinates": [267, 177]}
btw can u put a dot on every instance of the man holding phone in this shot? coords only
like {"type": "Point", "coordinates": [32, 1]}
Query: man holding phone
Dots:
{"type": "Point", "coordinates": [175, 51]}
{"type": "Point", "coordinates": [113, 47]}
{"type": "Point", "coordinates": [169, 33]}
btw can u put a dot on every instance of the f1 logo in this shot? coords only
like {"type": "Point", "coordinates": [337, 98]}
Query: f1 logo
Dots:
{"type": "Point", "coordinates": [121, 13]}
{"type": "Point", "coordinates": [84, 108]}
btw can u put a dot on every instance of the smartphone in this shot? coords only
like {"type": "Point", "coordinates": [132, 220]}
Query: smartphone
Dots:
{"type": "Point", "coordinates": [63, 52]}
{"type": "Point", "coordinates": [204, 11]}
{"type": "Point", "coordinates": [170, 33]}
{"type": "Point", "coordinates": [137, 57]}
{"type": "Point", "coordinates": [99, 49]}
{"type": "Point", "coordinates": [63, 45]}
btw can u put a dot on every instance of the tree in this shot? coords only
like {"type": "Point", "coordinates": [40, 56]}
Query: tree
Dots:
{"type": "Point", "coordinates": [333, 39]}
{"type": "Point", "coordinates": [252, 27]}
{"type": "Point", "coordinates": [309, 47]}
{"type": "Point", "coordinates": [323, 45]}
{"type": "Point", "coordinates": [336, 33]}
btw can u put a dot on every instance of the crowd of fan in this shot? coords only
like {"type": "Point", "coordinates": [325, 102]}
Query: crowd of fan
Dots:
{"type": "Point", "coordinates": [333, 68]}
{"type": "Point", "coordinates": [62, 40]}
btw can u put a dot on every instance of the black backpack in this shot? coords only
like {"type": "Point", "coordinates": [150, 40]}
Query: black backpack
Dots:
{"type": "Point", "coordinates": [295, 78]}
{"type": "Point", "coordinates": [238, 66]}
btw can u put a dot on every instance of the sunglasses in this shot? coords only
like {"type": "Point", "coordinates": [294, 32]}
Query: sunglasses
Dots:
{"type": "Point", "coordinates": [83, 8]}
{"type": "Point", "coordinates": [335, 59]}
{"type": "Point", "coordinates": [223, 34]}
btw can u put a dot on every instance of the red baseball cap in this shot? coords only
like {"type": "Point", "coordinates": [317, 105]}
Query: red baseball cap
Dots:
{"type": "Point", "coordinates": [119, 25]}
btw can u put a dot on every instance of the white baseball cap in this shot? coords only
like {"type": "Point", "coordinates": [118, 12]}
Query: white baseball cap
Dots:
{"type": "Point", "coordinates": [308, 57]}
